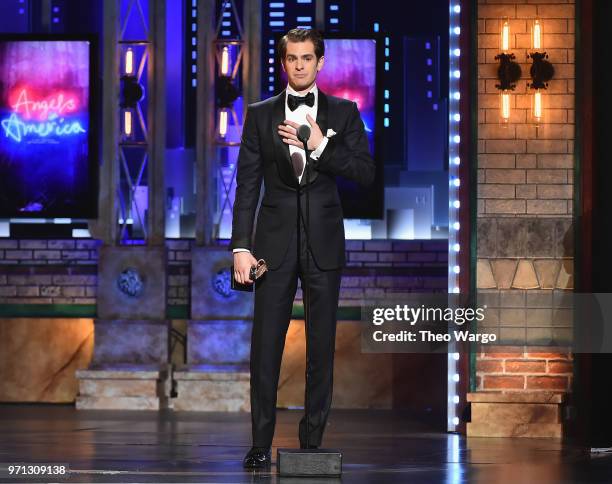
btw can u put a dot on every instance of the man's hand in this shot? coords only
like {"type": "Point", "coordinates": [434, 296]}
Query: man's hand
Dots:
{"type": "Point", "coordinates": [288, 132]}
{"type": "Point", "coordinates": [243, 261]}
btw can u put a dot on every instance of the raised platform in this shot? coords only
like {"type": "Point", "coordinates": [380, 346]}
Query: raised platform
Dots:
{"type": "Point", "coordinates": [516, 414]}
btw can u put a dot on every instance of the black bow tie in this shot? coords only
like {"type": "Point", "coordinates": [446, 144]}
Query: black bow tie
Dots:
{"type": "Point", "coordinates": [294, 101]}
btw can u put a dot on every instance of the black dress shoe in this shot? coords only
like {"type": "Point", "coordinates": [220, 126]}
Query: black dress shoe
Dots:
{"type": "Point", "coordinates": [309, 447]}
{"type": "Point", "coordinates": [257, 458]}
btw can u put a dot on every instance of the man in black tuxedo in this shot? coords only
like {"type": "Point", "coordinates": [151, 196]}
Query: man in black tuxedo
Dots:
{"type": "Point", "coordinates": [270, 151]}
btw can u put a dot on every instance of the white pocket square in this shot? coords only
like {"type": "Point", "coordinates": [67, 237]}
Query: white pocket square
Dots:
{"type": "Point", "coordinates": [330, 133]}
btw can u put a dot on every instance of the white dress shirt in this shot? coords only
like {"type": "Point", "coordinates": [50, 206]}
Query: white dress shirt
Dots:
{"type": "Point", "coordinates": [299, 116]}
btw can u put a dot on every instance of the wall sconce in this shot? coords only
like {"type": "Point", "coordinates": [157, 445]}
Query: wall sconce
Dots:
{"type": "Point", "coordinates": [228, 55]}
{"type": "Point", "coordinates": [132, 93]}
{"type": "Point", "coordinates": [508, 72]}
{"type": "Point", "coordinates": [541, 70]}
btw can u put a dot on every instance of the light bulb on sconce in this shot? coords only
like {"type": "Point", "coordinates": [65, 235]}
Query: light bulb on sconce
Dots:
{"type": "Point", "coordinates": [223, 122]}
{"type": "Point", "coordinates": [128, 123]}
{"type": "Point", "coordinates": [504, 29]}
{"type": "Point", "coordinates": [508, 72]}
{"type": "Point", "coordinates": [129, 62]}
{"type": "Point", "coordinates": [504, 108]}
{"type": "Point", "coordinates": [225, 61]}
{"type": "Point", "coordinates": [537, 108]}
{"type": "Point", "coordinates": [536, 35]}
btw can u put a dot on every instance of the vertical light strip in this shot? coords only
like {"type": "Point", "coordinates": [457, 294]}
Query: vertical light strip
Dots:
{"type": "Point", "coordinates": [334, 17]}
{"type": "Point", "coordinates": [276, 20]}
{"type": "Point", "coordinates": [454, 161]}
{"type": "Point", "coordinates": [387, 119]}
{"type": "Point", "coordinates": [194, 45]}
{"type": "Point", "coordinates": [57, 14]}
{"type": "Point", "coordinates": [387, 64]}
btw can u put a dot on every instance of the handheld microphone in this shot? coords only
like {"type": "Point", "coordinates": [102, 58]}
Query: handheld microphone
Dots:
{"type": "Point", "coordinates": [303, 133]}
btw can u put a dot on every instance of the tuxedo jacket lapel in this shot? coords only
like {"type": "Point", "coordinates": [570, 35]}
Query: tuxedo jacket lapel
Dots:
{"type": "Point", "coordinates": [281, 149]}
{"type": "Point", "coordinates": [322, 112]}
{"type": "Point", "coordinates": [322, 115]}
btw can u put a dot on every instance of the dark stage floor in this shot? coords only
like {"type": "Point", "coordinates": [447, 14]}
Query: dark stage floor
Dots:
{"type": "Point", "coordinates": [377, 446]}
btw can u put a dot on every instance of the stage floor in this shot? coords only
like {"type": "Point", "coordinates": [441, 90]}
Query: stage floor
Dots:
{"type": "Point", "coordinates": [377, 446]}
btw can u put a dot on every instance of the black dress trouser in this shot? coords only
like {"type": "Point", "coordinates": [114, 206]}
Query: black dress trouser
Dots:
{"type": "Point", "coordinates": [274, 296]}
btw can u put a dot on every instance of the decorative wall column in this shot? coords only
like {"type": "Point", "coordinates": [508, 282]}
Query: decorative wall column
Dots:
{"type": "Point", "coordinates": [130, 362]}
{"type": "Point", "coordinates": [525, 248]}
{"type": "Point", "coordinates": [216, 376]}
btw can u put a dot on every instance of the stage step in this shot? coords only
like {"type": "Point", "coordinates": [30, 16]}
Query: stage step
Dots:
{"type": "Point", "coordinates": [212, 388]}
{"type": "Point", "coordinates": [515, 414]}
{"type": "Point", "coordinates": [130, 387]}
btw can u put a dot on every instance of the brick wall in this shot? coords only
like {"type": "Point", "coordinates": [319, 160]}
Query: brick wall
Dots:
{"type": "Point", "coordinates": [375, 268]}
{"type": "Point", "coordinates": [65, 271]}
{"type": "Point", "coordinates": [529, 370]}
{"type": "Point", "coordinates": [48, 271]}
{"type": "Point", "coordinates": [525, 200]}
{"type": "Point", "coordinates": [48, 252]}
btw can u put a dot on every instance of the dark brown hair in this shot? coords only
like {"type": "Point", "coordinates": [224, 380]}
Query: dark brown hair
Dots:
{"type": "Point", "coordinates": [301, 35]}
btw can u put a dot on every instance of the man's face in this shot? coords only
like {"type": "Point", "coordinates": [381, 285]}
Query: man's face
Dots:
{"type": "Point", "coordinates": [301, 64]}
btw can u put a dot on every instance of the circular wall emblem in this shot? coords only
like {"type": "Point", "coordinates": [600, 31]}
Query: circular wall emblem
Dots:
{"type": "Point", "coordinates": [222, 282]}
{"type": "Point", "coordinates": [130, 282]}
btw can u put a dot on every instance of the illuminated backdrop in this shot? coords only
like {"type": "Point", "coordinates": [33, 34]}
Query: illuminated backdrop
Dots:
{"type": "Point", "coordinates": [350, 72]}
{"type": "Point", "coordinates": [45, 142]}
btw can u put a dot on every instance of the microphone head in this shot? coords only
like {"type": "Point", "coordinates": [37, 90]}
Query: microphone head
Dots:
{"type": "Point", "coordinates": [303, 133]}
